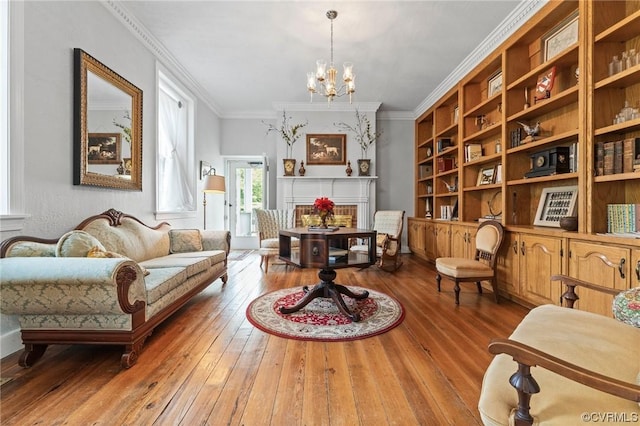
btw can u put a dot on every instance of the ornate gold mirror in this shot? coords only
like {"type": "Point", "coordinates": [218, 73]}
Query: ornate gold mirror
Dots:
{"type": "Point", "coordinates": [107, 126]}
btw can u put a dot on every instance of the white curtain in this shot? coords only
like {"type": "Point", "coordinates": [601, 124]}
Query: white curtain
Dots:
{"type": "Point", "coordinates": [174, 193]}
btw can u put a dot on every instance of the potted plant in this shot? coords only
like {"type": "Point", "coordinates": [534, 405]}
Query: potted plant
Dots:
{"type": "Point", "coordinates": [290, 134]}
{"type": "Point", "coordinates": [365, 137]}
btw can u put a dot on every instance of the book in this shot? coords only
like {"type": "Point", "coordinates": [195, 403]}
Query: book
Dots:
{"type": "Point", "coordinates": [608, 158]}
{"type": "Point", "coordinates": [627, 155]}
{"type": "Point", "coordinates": [617, 157]}
{"type": "Point", "coordinates": [445, 164]}
{"type": "Point", "coordinates": [636, 155]}
{"type": "Point", "coordinates": [473, 151]}
{"type": "Point", "coordinates": [599, 159]}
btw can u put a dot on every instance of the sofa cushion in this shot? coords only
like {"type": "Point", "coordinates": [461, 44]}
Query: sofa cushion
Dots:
{"type": "Point", "coordinates": [591, 341]}
{"type": "Point", "coordinates": [77, 244]}
{"type": "Point", "coordinates": [462, 268]}
{"type": "Point", "coordinates": [161, 281]}
{"type": "Point", "coordinates": [192, 265]}
{"type": "Point", "coordinates": [214, 256]}
{"type": "Point", "coordinates": [185, 240]}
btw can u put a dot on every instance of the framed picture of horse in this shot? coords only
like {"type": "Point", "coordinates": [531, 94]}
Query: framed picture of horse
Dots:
{"type": "Point", "coordinates": [326, 149]}
{"type": "Point", "coordinates": [104, 148]}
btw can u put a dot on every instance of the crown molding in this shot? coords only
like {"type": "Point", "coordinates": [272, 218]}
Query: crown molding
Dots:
{"type": "Point", "coordinates": [521, 14]}
{"type": "Point", "coordinates": [161, 53]}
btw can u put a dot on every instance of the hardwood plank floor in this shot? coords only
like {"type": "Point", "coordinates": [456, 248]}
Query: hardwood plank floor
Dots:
{"type": "Point", "coordinates": [208, 365]}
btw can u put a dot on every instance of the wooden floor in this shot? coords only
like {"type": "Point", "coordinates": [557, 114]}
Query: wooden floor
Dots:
{"type": "Point", "coordinates": [208, 365]}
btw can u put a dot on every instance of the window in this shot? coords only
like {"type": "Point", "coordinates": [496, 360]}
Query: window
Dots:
{"type": "Point", "coordinates": [11, 116]}
{"type": "Point", "coordinates": [176, 174]}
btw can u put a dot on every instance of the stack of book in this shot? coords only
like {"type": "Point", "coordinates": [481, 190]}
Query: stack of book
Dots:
{"type": "Point", "coordinates": [472, 151]}
{"type": "Point", "coordinates": [623, 218]}
{"type": "Point", "coordinates": [516, 137]}
{"type": "Point", "coordinates": [615, 157]}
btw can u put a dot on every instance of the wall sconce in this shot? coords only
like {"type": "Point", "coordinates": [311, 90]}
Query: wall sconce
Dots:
{"type": "Point", "coordinates": [213, 184]}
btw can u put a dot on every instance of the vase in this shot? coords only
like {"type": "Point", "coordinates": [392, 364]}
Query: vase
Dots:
{"type": "Point", "coordinates": [289, 166]}
{"type": "Point", "coordinates": [302, 170]}
{"type": "Point", "coordinates": [349, 170]}
{"type": "Point", "coordinates": [363, 167]}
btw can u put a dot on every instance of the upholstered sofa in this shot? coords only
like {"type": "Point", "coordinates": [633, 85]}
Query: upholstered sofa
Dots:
{"type": "Point", "coordinates": [571, 367]}
{"type": "Point", "coordinates": [110, 281]}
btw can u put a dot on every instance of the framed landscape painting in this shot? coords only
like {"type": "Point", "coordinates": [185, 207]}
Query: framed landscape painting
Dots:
{"type": "Point", "coordinates": [327, 149]}
{"type": "Point", "coordinates": [104, 148]}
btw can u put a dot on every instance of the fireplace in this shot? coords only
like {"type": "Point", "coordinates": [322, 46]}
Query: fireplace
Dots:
{"type": "Point", "coordinates": [353, 196]}
{"type": "Point", "coordinates": [349, 209]}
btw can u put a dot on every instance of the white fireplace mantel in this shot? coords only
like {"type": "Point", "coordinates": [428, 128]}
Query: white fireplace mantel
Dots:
{"type": "Point", "coordinates": [343, 190]}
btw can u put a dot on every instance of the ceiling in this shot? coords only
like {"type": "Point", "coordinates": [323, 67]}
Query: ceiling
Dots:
{"type": "Point", "coordinates": [245, 55]}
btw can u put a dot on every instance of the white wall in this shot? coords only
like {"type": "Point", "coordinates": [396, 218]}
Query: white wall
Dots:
{"type": "Point", "coordinates": [51, 31]}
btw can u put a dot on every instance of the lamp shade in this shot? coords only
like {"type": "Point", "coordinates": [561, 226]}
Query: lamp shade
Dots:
{"type": "Point", "coordinates": [213, 184]}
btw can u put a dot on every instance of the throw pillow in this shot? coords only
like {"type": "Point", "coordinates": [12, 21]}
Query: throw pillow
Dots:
{"type": "Point", "coordinates": [101, 253]}
{"type": "Point", "coordinates": [76, 244]}
{"type": "Point", "coordinates": [381, 239]}
{"type": "Point", "coordinates": [185, 240]}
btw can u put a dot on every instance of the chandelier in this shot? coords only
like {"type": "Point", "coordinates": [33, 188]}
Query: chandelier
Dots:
{"type": "Point", "coordinates": [326, 78]}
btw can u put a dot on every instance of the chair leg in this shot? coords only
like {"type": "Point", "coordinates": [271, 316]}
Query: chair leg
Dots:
{"type": "Point", "coordinates": [266, 264]}
{"type": "Point", "coordinates": [456, 289]}
{"type": "Point", "coordinates": [438, 278]}
{"type": "Point", "coordinates": [479, 285]}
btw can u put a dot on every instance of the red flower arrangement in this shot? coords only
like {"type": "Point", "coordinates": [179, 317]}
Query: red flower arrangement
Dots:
{"type": "Point", "coordinates": [323, 207]}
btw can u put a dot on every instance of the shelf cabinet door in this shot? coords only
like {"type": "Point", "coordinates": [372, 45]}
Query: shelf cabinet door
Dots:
{"type": "Point", "coordinates": [443, 240]}
{"type": "Point", "coordinates": [416, 237]}
{"type": "Point", "coordinates": [430, 240]}
{"type": "Point", "coordinates": [540, 257]}
{"type": "Point", "coordinates": [605, 265]}
{"type": "Point", "coordinates": [463, 241]}
{"type": "Point", "coordinates": [507, 264]}
{"type": "Point", "coordinates": [635, 268]}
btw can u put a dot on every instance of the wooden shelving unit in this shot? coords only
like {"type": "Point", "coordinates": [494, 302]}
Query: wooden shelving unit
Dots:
{"type": "Point", "coordinates": [577, 115]}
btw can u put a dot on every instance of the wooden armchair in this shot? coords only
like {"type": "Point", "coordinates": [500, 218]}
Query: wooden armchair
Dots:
{"type": "Point", "coordinates": [588, 365]}
{"type": "Point", "coordinates": [388, 224]}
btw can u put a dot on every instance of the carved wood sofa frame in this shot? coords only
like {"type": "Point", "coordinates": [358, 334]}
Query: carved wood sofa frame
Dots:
{"type": "Point", "coordinates": [527, 357]}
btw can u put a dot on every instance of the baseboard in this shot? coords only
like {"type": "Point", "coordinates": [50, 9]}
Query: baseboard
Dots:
{"type": "Point", "coordinates": [10, 342]}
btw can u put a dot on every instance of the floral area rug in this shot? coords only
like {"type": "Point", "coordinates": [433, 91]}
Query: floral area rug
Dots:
{"type": "Point", "coordinates": [321, 320]}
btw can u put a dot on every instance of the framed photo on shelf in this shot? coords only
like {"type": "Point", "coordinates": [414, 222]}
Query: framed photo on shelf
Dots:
{"type": "Point", "coordinates": [560, 37]}
{"type": "Point", "coordinates": [486, 175]}
{"type": "Point", "coordinates": [494, 85]}
{"type": "Point", "coordinates": [556, 203]}
{"type": "Point", "coordinates": [104, 148]}
{"type": "Point", "coordinates": [327, 149]}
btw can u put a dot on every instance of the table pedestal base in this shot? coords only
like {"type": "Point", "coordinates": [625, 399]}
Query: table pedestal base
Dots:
{"type": "Point", "coordinates": [327, 288]}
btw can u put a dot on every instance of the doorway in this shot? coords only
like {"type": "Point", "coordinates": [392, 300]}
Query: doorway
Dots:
{"type": "Point", "coordinates": [247, 178]}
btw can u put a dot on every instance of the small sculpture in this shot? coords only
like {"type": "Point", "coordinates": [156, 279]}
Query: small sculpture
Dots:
{"type": "Point", "coordinates": [451, 188]}
{"type": "Point", "coordinates": [302, 170]}
{"type": "Point", "coordinates": [349, 170]}
{"type": "Point", "coordinates": [531, 131]}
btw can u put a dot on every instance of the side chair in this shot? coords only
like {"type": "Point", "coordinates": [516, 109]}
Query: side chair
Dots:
{"type": "Point", "coordinates": [269, 224]}
{"type": "Point", "coordinates": [481, 267]}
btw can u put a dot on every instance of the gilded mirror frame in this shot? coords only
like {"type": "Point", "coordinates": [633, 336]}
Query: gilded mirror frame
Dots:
{"type": "Point", "coordinates": [84, 64]}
